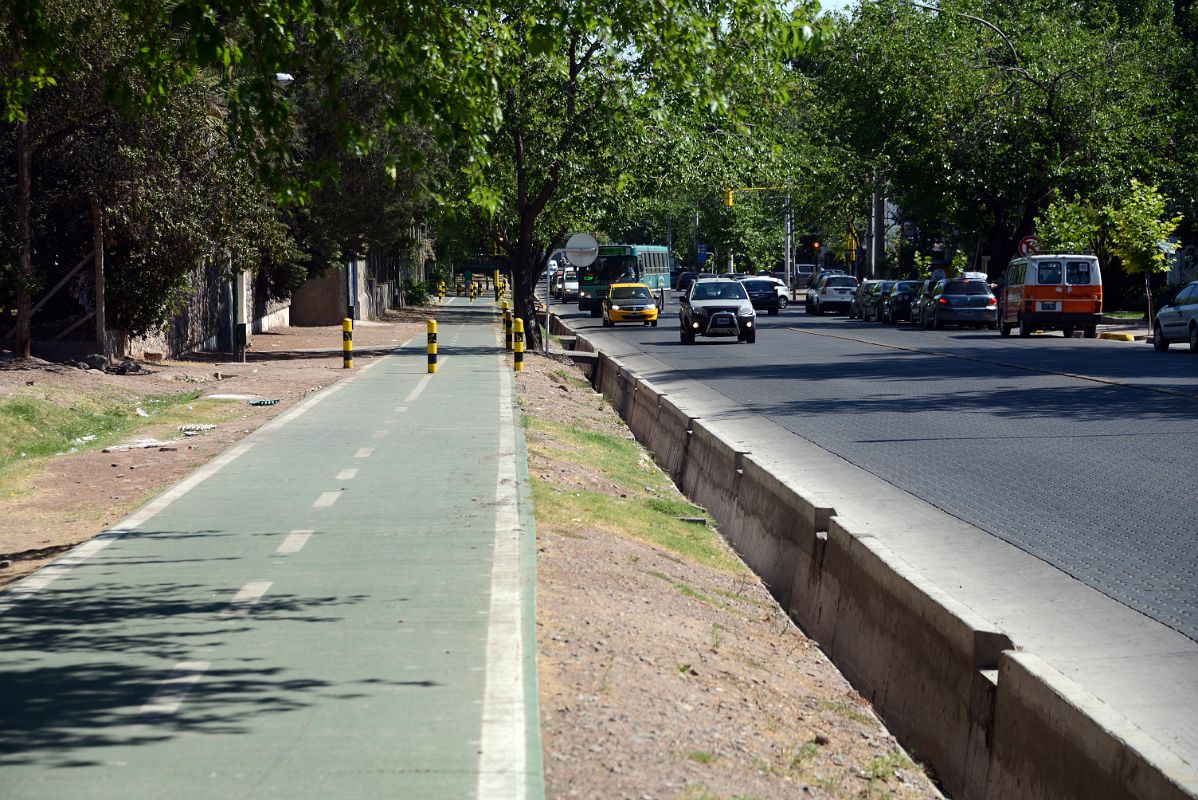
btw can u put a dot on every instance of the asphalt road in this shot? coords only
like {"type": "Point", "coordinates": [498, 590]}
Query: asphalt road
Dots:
{"type": "Point", "coordinates": [1078, 451]}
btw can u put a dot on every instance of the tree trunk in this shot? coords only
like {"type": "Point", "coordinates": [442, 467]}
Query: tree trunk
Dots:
{"type": "Point", "coordinates": [1151, 310]}
{"type": "Point", "coordinates": [24, 335]}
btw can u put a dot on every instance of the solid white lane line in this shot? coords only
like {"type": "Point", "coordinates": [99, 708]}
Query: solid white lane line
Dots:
{"type": "Point", "coordinates": [365, 452]}
{"type": "Point", "coordinates": [174, 690]}
{"type": "Point", "coordinates": [246, 598]}
{"type": "Point", "coordinates": [326, 499]}
{"type": "Point", "coordinates": [416, 392]}
{"type": "Point", "coordinates": [294, 542]}
{"type": "Point", "coordinates": [502, 757]}
{"type": "Point", "coordinates": [347, 474]}
{"type": "Point", "coordinates": [381, 434]}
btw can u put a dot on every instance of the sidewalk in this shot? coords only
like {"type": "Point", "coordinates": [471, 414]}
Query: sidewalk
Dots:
{"type": "Point", "coordinates": [341, 605]}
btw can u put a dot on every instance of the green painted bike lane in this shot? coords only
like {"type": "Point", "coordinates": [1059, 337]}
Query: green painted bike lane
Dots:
{"type": "Point", "coordinates": [339, 606]}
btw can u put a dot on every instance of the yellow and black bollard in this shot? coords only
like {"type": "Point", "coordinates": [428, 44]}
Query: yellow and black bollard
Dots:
{"type": "Point", "coordinates": [507, 329]}
{"type": "Point", "coordinates": [498, 287]}
{"type": "Point", "coordinates": [518, 364]}
{"type": "Point", "coordinates": [347, 343]}
{"type": "Point", "coordinates": [432, 346]}
{"type": "Point", "coordinates": [441, 292]}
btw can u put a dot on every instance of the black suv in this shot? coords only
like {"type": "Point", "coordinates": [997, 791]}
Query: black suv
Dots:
{"type": "Point", "coordinates": [717, 307]}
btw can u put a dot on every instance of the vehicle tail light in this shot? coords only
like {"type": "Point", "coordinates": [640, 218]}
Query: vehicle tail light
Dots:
{"type": "Point", "coordinates": [943, 301]}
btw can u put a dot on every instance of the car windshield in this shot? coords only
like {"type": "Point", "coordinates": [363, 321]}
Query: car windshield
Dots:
{"type": "Point", "coordinates": [907, 286]}
{"type": "Point", "coordinates": [966, 287]}
{"type": "Point", "coordinates": [630, 293]}
{"type": "Point", "coordinates": [758, 286]}
{"type": "Point", "coordinates": [841, 280]}
{"type": "Point", "coordinates": [715, 290]}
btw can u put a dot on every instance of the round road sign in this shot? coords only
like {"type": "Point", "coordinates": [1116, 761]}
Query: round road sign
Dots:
{"type": "Point", "coordinates": [1028, 245]}
{"type": "Point", "coordinates": [582, 249]}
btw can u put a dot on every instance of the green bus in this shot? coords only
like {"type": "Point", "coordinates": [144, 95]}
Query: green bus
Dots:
{"type": "Point", "coordinates": [622, 263]}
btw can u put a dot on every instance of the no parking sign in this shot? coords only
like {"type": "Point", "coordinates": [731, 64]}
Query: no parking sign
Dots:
{"type": "Point", "coordinates": [1028, 245]}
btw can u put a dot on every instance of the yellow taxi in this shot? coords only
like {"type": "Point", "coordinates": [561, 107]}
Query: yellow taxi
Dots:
{"type": "Point", "coordinates": [629, 302]}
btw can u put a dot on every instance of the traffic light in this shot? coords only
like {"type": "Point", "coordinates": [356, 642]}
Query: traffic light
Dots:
{"type": "Point", "coordinates": [815, 246]}
{"type": "Point", "coordinates": [728, 198]}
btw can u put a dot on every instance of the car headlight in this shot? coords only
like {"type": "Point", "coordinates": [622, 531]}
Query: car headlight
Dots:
{"type": "Point", "coordinates": [584, 294]}
{"type": "Point", "coordinates": [615, 307]}
{"type": "Point", "coordinates": [746, 311]}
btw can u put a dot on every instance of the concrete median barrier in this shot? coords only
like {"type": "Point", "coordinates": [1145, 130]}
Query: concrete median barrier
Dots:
{"type": "Point", "coordinates": [669, 439]}
{"type": "Point", "coordinates": [994, 723]}
{"type": "Point", "coordinates": [711, 474]}
{"type": "Point", "coordinates": [775, 529]}
{"type": "Point", "coordinates": [918, 655]}
{"type": "Point", "coordinates": [643, 416]}
{"type": "Point", "coordinates": [1054, 739]}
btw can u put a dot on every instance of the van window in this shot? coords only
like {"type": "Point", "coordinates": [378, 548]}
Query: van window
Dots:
{"type": "Point", "coordinates": [1048, 272]}
{"type": "Point", "coordinates": [1077, 273]}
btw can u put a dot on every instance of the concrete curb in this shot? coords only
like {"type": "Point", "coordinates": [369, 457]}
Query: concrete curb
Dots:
{"type": "Point", "coordinates": [992, 721]}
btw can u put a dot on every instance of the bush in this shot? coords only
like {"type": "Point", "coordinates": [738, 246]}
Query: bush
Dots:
{"type": "Point", "coordinates": [415, 292]}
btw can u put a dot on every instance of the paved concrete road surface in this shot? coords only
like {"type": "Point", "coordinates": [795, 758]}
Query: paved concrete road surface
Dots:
{"type": "Point", "coordinates": [338, 607]}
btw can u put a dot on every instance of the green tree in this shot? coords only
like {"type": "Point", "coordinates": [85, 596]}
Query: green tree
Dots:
{"type": "Point", "coordinates": [1071, 226]}
{"type": "Point", "coordinates": [587, 94]}
{"type": "Point", "coordinates": [1140, 229]}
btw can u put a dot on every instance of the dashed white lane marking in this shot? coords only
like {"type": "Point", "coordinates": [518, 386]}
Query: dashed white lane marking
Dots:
{"type": "Point", "coordinates": [502, 759]}
{"type": "Point", "coordinates": [380, 434]}
{"type": "Point", "coordinates": [347, 474]}
{"type": "Point", "coordinates": [419, 389]}
{"type": "Point", "coordinates": [246, 598]}
{"type": "Point", "coordinates": [39, 580]}
{"type": "Point", "coordinates": [294, 542]}
{"type": "Point", "coordinates": [400, 409]}
{"type": "Point", "coordinates": [174, 690]}
{"type": "Point", "coordinates": [365, 452]}
{"type": "Point", "coordinates": [326, 499]}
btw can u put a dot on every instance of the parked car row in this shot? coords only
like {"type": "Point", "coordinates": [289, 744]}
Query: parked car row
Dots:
{"type": "Point", "coordinates": [966, 301]}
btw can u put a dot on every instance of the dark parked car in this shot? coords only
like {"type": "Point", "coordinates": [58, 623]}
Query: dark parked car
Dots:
{"type": "Point", "coordinates": [802, 276]}
{"type": "Point", "coordinates": [871, 304]}
{"type": "Point", "coordinates": [859, 295]}
{"type": "Point", "coordinates": [896, 307]}
{"type": "Point", "coordinates": [763, 293]}
{"type": "Point", "coordinates": [830, 292]}
{"type": "Point", "coordinates": [1178, 321]}
{"type": "Point", "coordinates": [920, 301]}
{"type": "Point", "coordinates": [717, 307]}
{"type": "Point", "coordinates": [961, 301]}
{"type": "Point", "coordinates": [685, 279]}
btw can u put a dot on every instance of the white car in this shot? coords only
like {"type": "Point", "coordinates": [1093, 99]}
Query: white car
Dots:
{"type": "Point", "coordinates": [567, 286]}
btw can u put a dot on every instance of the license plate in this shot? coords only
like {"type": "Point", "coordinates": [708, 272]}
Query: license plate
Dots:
{"type": "Point", "coordinates": [1048, 306]}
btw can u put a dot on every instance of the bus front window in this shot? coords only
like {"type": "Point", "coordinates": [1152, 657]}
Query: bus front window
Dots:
{"type": "Point", "coordinates": [612, 269]}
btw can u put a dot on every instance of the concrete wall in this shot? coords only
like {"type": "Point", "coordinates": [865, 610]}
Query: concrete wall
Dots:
{"type": "Point", "coordinates": [994, 722]}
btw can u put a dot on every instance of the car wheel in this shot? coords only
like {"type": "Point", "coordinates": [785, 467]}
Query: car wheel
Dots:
{"type": "Point", "coordinates": [925, 321]}
{"type": "Point", "coordinates": [808, 308]}
{"type": "Point", "coordinates": [1159, 342]}
{"type": "Point", "coordinates": [937, 323]}
{"type": "Point", "coordinates": [1193, 338]}
{"type": "Point", "coordinates": [1004, 329]}
{"type": "Point", "coordinates": [992, 326]}
{"type": "Point", "coordinates": [751, 336]}
{"type": "Point", "coordinates": [783, 303]}
{"type": "Point", "coordinates": [653, 324]}
{"type": "Point", "coordinates": [1025, 328]}
{"type": "Point", "coordinates": [1090, 331]}
{"type": "Point", "coordinates": [1067, 332]}
{"type": "Point", "coordinates": [594, 312]}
